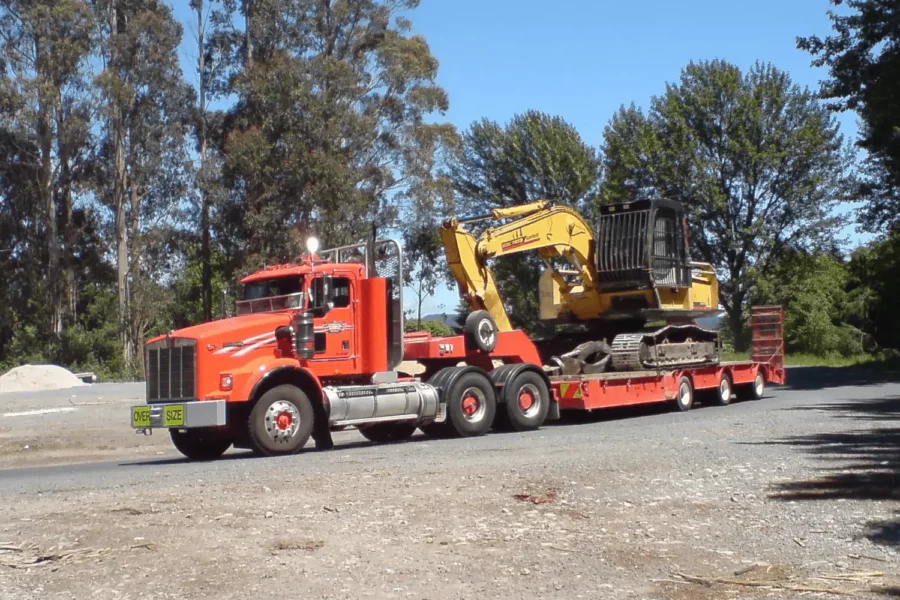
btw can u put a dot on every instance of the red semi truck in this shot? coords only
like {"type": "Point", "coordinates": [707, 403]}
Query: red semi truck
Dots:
{"type": "Point", "coordinates": [316, 344]}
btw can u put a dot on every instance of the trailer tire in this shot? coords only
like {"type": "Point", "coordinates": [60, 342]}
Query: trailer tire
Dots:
{"type": "Point", "coordinates": [471, 404]}
{"type": "Point", "coordinates": [527, 402]}
{"type": "Point", "coordinates": [199, 444]}
{"type": "Point", "coordinates": [722, 394]}
{"type": "Point", "coordinates": [755, 390]}
{"type": "Point", "coordinates": [388, 432]}
{"type": "Point", "coordinates": [281, 421]}
{"type": "Point", "coordinates": [481, 331]}
{"type": "Point", "coordinates": [684, 399]}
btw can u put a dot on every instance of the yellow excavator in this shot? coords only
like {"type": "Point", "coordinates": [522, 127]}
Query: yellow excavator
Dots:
{"type": "Point", "coordinates": [630, 272]}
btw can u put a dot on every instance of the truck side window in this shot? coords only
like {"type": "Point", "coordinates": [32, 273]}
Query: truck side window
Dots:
{"type": "Point", "coordinates": [341, 292]}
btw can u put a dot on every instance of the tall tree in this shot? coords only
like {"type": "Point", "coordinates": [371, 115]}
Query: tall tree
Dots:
{"type": "Point", "coordinates": [148, 106]}
{"type": "Point", "coordinates": [863, 59]}
{"type": "Point", "coordinates": [757, 162]}
{"type": "Point", "coordinates": [206, 67]}
{"type": "Point", "coordinates": [329, 124]}
{"type": "Point", "coordinates": [534, 157]}
{"type": "Point", "coordinates": [43, 49]}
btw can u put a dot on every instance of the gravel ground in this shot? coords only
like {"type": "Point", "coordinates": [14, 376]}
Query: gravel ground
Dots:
{"type": "Point", "coordinates": [781, 498]}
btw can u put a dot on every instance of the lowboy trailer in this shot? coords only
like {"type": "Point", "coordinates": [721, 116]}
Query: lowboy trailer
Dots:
{"type": "Point", "coordinates": [317, 344]}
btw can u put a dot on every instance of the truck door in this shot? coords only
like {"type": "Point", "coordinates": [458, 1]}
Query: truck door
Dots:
{"type": "Point", "coordinates": [335, 331]}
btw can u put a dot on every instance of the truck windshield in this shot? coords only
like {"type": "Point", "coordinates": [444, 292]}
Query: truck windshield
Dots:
{"type": "Point", "coordinates": [269, 295]}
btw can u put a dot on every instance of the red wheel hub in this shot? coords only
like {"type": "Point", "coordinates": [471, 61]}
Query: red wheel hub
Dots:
{"type": "Point", "coordinates": [526, 400]}
{"type": "Point", "coordinates": [470, 405]}
{"type": "Point", "coordinates": [284, 420]}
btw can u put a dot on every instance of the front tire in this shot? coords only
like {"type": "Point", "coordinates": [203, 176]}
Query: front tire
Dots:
{"type": "Point", "coordinates": [199, 444]}
{"type": "Point", "coordinates": [281, 422]}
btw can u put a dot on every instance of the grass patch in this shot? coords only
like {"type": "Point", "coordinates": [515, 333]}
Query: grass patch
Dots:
{"type": "Point", "coordinates": [887, 360]}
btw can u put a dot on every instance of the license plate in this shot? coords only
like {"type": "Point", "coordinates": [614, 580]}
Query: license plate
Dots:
{"type": "Point", "coordinates": [173, 415]}
{"type": "Point", "coordinates": [140, 416]}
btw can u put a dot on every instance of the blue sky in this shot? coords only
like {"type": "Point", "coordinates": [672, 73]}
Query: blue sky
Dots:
{"type": "Point", "coordinates": [582, 59]}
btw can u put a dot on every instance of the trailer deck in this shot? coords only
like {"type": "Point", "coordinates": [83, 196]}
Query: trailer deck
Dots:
{"type": "Point", "coordinates": [619, 389]}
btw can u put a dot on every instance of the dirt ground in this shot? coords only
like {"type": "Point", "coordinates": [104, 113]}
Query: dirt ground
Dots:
{"type": "Point", "coordinates": [793, 496]}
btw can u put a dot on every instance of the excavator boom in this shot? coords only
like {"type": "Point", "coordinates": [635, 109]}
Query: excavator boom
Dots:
{"type": "Point", "coordinates": [551, 231]}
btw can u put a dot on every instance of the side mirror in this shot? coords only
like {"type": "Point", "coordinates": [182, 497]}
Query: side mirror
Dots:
{"type": "Point", "coordinates": [224, 312]}
{"type": "Point", "coordinates": [322, 295]}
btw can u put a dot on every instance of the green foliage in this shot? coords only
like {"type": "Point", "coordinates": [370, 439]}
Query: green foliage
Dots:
{"type": "Point", "coordinates": [435, 328]}
{"type": "Point", "coordinates": [329, 124]}
{"type": "Point", "coordinates": [813, 290]}
{"type": "Point", "coordinates": [534, 157]}
{"type": "Point", "coordinates": [756, 161]}
{"type": "Point", "coordinates": [874, 290]}
{"type": "Point", "coordinates": [864, 63]}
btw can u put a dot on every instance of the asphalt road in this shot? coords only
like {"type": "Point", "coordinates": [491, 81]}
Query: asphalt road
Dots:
{"type": "Point", "coordinates": [784, 410]}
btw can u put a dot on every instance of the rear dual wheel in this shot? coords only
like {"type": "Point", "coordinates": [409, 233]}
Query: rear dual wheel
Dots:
{"type": "Point", "coordinates": [526, 403]}
{"type": "Point", "coordinates": [471, 404]}
{"type": "Point", "coordinates": [388, 432]}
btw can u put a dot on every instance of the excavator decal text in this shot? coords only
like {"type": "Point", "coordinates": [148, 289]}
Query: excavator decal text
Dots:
{"type": "Point", "coordinates": [520, 241]}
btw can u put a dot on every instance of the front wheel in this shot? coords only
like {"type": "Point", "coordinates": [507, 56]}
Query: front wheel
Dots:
{"type": "Point", "coordinates": [199, 444]}
{"type": "Point", "coordinates": [281, 422]}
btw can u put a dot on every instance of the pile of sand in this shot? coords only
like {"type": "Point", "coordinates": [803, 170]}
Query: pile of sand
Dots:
{"type": "Point", "coordinates": [32, 378]}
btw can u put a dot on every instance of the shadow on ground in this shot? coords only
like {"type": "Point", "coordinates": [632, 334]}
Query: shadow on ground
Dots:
{"type": "Point", "coordinates": [862, 463]}
{"type": "Point", "coordinates": [818, 378]}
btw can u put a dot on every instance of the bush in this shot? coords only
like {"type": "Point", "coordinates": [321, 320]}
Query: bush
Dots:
{"type": "Point", "coordinates": [435, 328]}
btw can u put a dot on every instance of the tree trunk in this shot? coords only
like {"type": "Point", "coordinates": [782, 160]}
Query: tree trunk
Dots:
{"type": "Point", "coordinates": [248, 20]}
{"type": "Point", "coordinates": [45, 185]}
{"type": "Point", "coordinates": [205, 258]}
{"type": "Point", "coordinates": [121, 226]}
{"type": "Point", "coordinates": [135, 303]}
{"type": "Point", "coordinates": [69, 234]}
{"type": "Point", "coordinates": [736, 319]}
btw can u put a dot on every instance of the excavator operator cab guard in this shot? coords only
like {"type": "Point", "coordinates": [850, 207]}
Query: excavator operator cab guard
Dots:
{"type": "Point", "coordinates": [642, 245]}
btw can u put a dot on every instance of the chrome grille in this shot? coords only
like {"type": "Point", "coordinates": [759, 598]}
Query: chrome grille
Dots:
{"type": "Point", "coordinates": [172, 371]}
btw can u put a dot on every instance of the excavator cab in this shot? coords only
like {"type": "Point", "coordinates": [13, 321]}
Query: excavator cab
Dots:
{"type": "Point", "coordinates": [642, 245]}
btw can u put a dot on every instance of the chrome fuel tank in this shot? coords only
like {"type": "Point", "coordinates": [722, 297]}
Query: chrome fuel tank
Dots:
{"type": "Point", "coordinates": [352, 405]}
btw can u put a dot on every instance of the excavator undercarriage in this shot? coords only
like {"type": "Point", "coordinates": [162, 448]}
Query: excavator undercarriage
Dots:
{"type": "Point", "coordinates": [667, 347]}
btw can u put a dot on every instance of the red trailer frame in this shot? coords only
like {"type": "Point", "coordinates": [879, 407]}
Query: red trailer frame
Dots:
{"type": "Point", "coordinates": [609, 390]}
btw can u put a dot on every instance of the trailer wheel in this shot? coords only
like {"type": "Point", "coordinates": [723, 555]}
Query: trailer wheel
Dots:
{"type": "Point", "coordinates": [527, 402]}
{"type": "Point", "coordinates": [685, 398]}
{"type": "Point", "coordinates": [481, 330]}
{"type": "Point", "coordinates": [281, 422]}
{"type": "Point", "coordinates": [199, 444]}
{"type": "Point", "coordinates": [388, 432]}
{"type": "Point", "coordinates": [471, 405]}
{"type": "Point", "coordinates": [755, 390]}
{"type": "Point", "coordinates": [723, 392]}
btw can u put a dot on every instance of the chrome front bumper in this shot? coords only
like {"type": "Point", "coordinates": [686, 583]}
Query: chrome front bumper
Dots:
{"type": "Point", "coordinates": [179, 415]}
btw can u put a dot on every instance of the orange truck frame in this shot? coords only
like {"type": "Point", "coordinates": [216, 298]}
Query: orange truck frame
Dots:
{"type": "Point", "coordinates": [316, 344]}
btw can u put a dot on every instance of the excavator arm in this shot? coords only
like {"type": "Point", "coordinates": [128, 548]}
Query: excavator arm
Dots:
{"type": "Point", "coordinates": [551, 231]}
